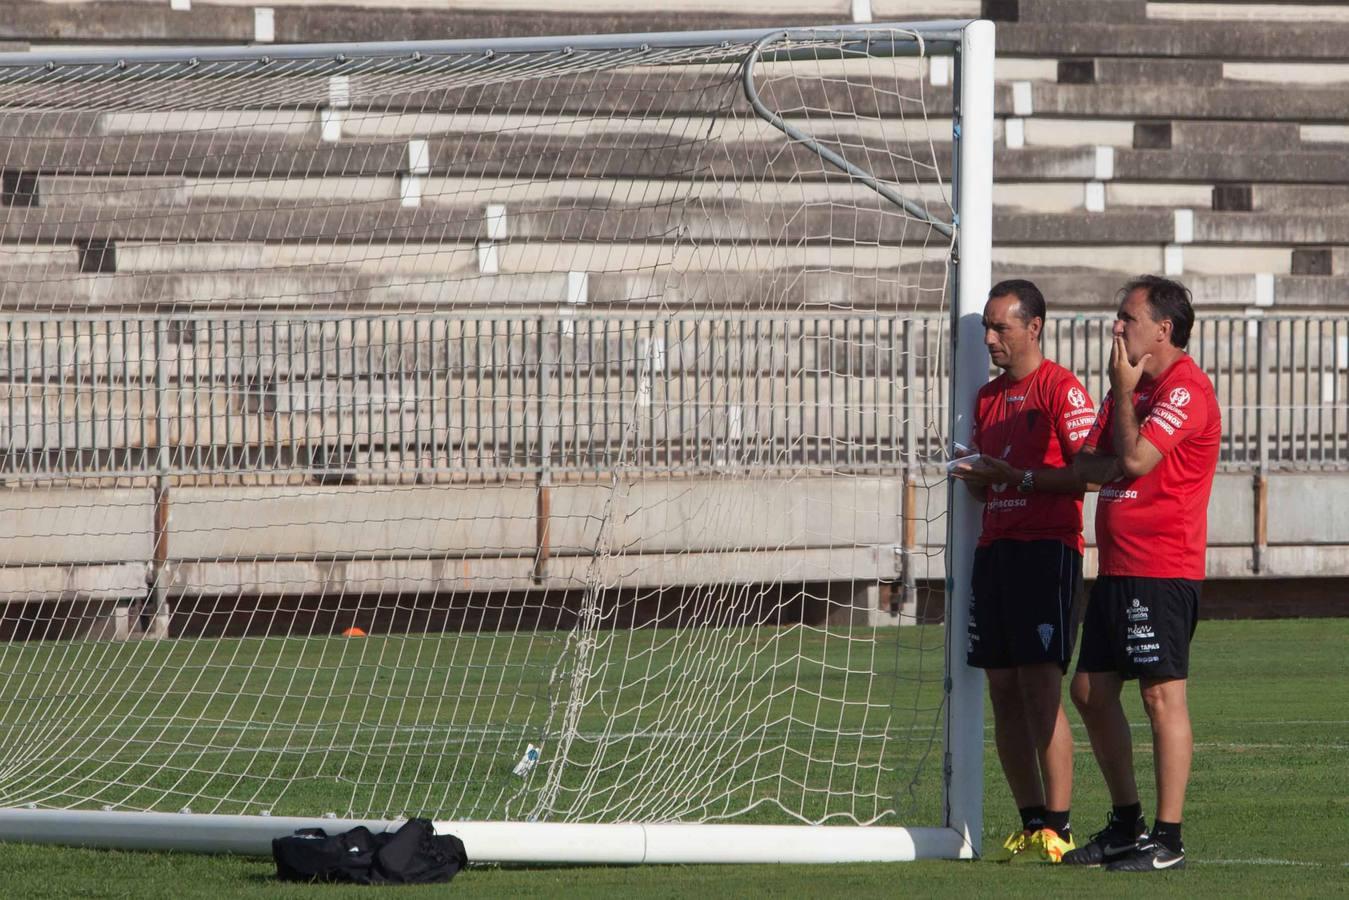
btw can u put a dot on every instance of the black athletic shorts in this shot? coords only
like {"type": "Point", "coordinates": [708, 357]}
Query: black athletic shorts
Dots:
{"type": "Point", "coordinates": [1021, 608]}
{"type": "Point", "coordinates": [1140, 627]}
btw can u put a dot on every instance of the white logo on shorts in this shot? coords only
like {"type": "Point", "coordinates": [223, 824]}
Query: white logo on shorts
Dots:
{"type": "Point", "coordinates": [1046, 633]}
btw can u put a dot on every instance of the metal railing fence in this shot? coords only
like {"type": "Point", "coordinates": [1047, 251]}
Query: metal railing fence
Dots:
{"type": "Point", "coordinates": [356, 397]}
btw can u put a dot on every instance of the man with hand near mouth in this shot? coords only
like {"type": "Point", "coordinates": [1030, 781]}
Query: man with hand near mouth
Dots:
{"type": "Point", "coordinates": [1154, 450]}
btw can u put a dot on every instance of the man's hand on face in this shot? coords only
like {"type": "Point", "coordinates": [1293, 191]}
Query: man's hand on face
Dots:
{"type": "Point", "coordinates": [1124, 375]}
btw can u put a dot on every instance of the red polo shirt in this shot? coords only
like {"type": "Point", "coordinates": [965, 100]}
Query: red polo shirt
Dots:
{"type": "Point", "coordinates": [1038, 422]}
{"type": "Point", "coordinates": [1156, 525]}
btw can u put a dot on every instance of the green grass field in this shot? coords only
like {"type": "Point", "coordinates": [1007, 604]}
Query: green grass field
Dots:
{"type": "Point", "coordinates": [748, 724]}
{"type": "Point", "coordinates": [1268, 812]}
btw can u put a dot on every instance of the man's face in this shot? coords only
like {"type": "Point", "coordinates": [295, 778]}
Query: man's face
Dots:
{"type": "Point", "coordinates": [1135, 324]}
{"type": "Point", "coordinates": [1007, 337]}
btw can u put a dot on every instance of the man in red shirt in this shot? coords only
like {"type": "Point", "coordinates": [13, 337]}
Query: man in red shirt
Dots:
{"type": "Point", "coordinates": [1153, 450]}
{"type": "Point", "coordinates": [1029, 422]}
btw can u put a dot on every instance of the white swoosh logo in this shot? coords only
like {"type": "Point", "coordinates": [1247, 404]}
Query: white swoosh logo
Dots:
{"type": "Point", "coordinates": [1158, 864]}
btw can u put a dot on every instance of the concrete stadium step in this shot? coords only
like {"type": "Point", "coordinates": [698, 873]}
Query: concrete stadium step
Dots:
{"type": "Point", "coordinates": [523, 157]}
{"type": "Point", "coordinates": [1271, 228]}
{"type": "Point", "coordinates": [583, 103]}
{"type": "Point", "coordinates": [528, 258]}
{"type": "Point", "coordinates": [314, 289]}
{"type": "Point", "coordinates": [326, 290]}
{"type": "Point", "coordinates": [535, 277]}
{"type": "Point", "coordinates": [609, 229]}
{"type": "Point", "coordinates": [23, 123]}
{"type": "Point", "coordinates": [21, 264]}
{"type": "Point", "coordinates": [288, 356]}
{"type": "Point", "coordinates": [1228, 41]}
{"type": "Point", "coordinates": [666, 122]}
{"type": "Point", "coordinates": [1334, 136]}
{"type": "Point", "coordinates": [1118, 12]}
{"type": "Point", "coordinates": [1135, 71]}
{"type": "Point", "coordinates": [1288, 73]}
{"type": "Point", "coordinates": [721, 223]}
{"type": "Point", "coordinates": [1180, 134]}
{"type": "Point", "coordinates": [682, 109]}
{"type": "Point", "coordinates": [1246, 11]}
{"type": "Point", "coordinates": [1285, 197]}
{"type": "Point", "coordinates": [1080, 288]}
{"type": "Point", "coordinates": [1295, 166]}
{"type": "Point", "coordinates": [126, 193]}
{"type": "Point", "coordinates": [1226, 100]}
{"type": "Point", "coordinates": [635, 156]}
{"type": "Point", "coordinates": [1206, 259]}
{"type": "Point", "coordinates": [1133, 226]}
{"type": "Point", "coordinates": [1053, 28]}
{"type": "Point", "coordinates": [131, 22]}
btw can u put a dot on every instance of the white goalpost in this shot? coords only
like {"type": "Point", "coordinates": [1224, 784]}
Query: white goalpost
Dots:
{"type": "Point", "coordinates": [541, 436]}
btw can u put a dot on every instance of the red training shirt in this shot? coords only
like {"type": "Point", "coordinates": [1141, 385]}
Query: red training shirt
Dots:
{"type": "Point", "coordinates": [1156, 525]}
{"type": "Point", "coordinates": [1038, 422]}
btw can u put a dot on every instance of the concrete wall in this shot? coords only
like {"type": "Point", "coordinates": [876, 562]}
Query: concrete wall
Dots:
{"type": "Point", "coordinates": [81, 544]}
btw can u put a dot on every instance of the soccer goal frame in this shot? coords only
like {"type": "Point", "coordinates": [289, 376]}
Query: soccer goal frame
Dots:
{"type": "Point", "coordinates": [970, 44]}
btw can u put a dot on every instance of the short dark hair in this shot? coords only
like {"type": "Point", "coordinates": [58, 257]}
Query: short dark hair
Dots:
{"type": "Point", "coordinates": [1167, 299]}
{"type": "Point", "coordinates": [1031, 303]}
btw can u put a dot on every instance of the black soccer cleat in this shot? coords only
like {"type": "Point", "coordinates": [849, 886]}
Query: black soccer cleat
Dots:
{"type": "Point", "coordinates": [1112, 843]}
{"type": "Point", "coordinates": [1149, 856]}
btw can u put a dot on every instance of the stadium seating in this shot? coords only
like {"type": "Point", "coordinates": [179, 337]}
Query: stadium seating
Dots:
{"type": "Point", "coordinates": [1132, 136]}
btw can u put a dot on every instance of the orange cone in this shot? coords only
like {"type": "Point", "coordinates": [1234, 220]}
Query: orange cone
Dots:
{"type": "Point", "coordinates": [353, 631]}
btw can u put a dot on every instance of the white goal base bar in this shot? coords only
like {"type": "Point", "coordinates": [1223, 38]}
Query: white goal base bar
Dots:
{"type": "Point", "coordinates": [502, 842]}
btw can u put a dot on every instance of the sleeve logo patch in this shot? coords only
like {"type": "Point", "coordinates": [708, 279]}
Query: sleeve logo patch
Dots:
{"type": "Point", "coordinates": [1076, 397]}
{"type": "Point", "coordinates": [1180, 397]}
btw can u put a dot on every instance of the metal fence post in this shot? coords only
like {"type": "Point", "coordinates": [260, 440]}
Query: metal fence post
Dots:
{"type": "Point", "coordinates": [908, 607]}
{"type": "Point", "coordinates": [154, 617]}
{"type": "Point", "coordinates": [1259, 480]}
{"type": "Point", "coordinates": [544, 479]}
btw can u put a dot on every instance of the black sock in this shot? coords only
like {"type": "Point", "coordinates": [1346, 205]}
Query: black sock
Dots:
{"type": "Point", "coordinates": [1032, 817]}
{"type": "Point", "coordinates": [1130, 816]}
{"type": "Point", "coordinates": [1059, 822]}
{"type": "Point", "coordinates": [1168, 835]}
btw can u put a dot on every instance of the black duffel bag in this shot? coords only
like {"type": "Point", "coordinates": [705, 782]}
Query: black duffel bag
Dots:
{"type": "Point", "coordinates": [414, 854]}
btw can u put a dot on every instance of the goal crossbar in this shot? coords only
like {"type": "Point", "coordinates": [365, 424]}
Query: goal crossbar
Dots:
{"type": "Point", "coordinates": [938, 36]}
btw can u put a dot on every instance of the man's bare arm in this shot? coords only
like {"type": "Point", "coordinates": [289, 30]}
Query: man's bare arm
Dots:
{"type": "Point", "coordinates": [1047, 480]}
{"type": "Point", "coordinates": [1137, 455]}
{"type": "Point", "coordinates": [1093, 470]}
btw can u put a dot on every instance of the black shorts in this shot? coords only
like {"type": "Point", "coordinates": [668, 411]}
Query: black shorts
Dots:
{"type": "Point", "coordinates": [1021, 606]}
{"type": "Point", "coordinates": [1140, 627]}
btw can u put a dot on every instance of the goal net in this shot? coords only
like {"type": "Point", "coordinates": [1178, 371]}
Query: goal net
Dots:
{"type": "Point", "coordinates": [536, 431]}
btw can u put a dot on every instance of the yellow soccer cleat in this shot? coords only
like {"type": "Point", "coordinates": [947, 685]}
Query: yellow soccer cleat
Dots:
{"type": "Point", "coordinates": [1016, 843]}
{"type": "Point", "coordinates": [1044, 846]}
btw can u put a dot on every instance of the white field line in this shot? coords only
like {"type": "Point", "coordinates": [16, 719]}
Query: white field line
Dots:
{"type": "Point", "coordinates": [1287, 722]}
{"type": "Point", "coordinates": [1265, 861]}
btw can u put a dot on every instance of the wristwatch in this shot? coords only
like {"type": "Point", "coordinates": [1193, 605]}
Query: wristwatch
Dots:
{"type": "Point", "coordinates": [1027, 482]}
